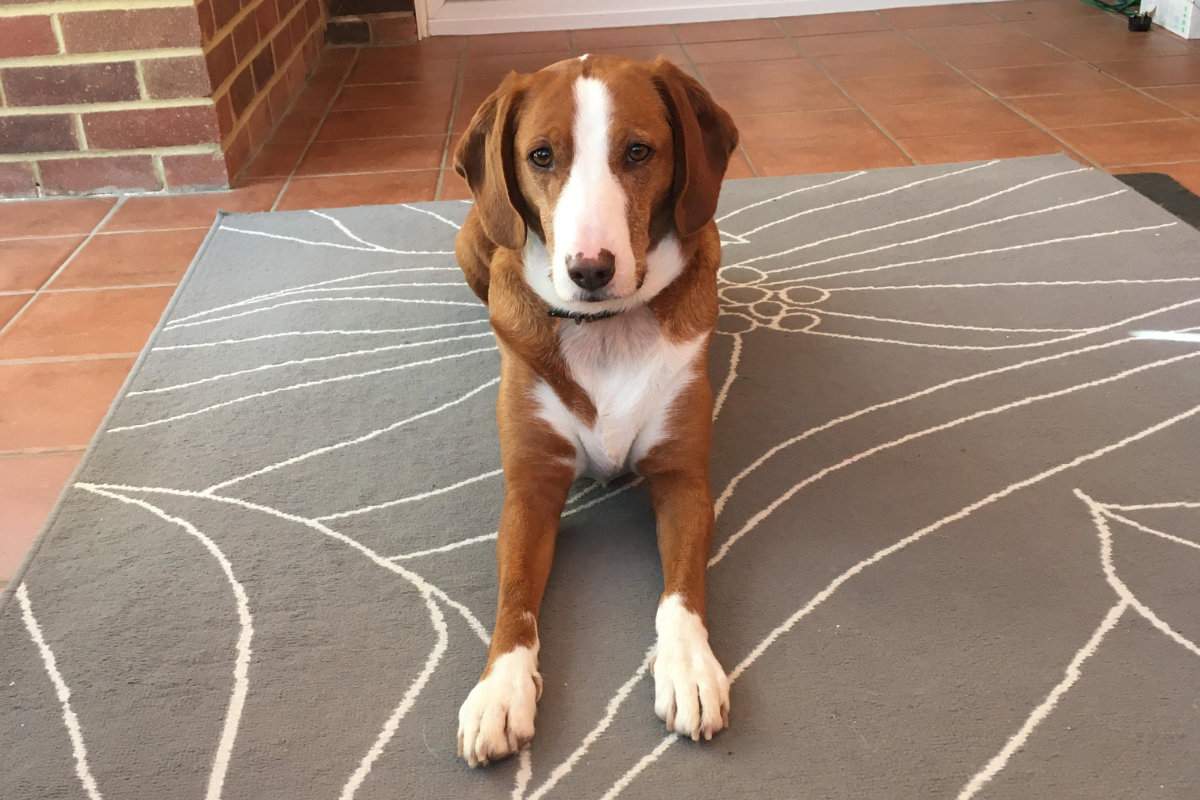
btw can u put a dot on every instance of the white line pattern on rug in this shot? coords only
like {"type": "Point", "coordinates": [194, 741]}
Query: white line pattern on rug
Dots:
{"type": "Point", "coordinates": [62, 692]}
{"type": "Point", "coordinates": [241, 664]}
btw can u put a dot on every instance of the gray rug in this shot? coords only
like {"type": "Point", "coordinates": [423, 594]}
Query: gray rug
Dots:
{"type": "Point", "coordinates": [958, 545]}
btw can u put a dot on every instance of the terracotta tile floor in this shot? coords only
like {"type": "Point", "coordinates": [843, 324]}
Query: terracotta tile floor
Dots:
{"type": "Point", "coordinates": [83, 280]}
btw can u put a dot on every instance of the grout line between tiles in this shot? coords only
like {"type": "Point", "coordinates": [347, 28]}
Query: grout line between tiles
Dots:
{"type": "Point", "coordinates": [455, 99]}
{"type": "Point", "coordinates": [18, 362]}
{"type": "Point", "coordinates": [40, 451]}
{"type": "Point", "coordinates": [700, 77]}
{"type": "Point", "coordinates": [7, 326]}
{"type": "Point", "coordinates": [316, 129]}
{"type": "Point", "coordinates": [1018, 111]}
{"type": "Point", "coordinates": [838, 85]}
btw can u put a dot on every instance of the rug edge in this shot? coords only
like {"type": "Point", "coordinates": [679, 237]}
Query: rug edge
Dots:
{"type": "Point", "coordinates": [18, 576]}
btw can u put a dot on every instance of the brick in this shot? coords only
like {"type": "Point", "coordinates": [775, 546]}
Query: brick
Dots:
{"type": "Point", "coordinates": [156, 127]}
{"type": "Point", "coordinates": [238, 153]}
{"type": "Point", "coordinates": [26, 36]}
{"type": "Point", "coordinates": [204, 171]}
{"type": "Point", "coordinates": [102, 174]}
{"type": "Point", "coordinates": [208, 22]}
{"type": "Point", "coordinates": [268, 17]}
{"type": "Point", "coordinates": [37, 133]}
{"type": "Point", "coordinates": [221, 62]}
{"type": "Point", "coordinates": [16, 180]}
{"type": "Point", "coordinates": [140, 29]}
{"type": "Point", "coordinates": [225, 118]}
{"type": "Point", "coordinates": [283, 44]}
{"type": "Point", "coordinates": [263, 67]}
{"type": "Point", "coordinates": [74, 83]}
{"type": "Point", "coordinates": [224, 11]}
{"type": "Point", "coordinates": [245, 37]}
{"type": "Point", "coordinates": [176, 77]}
{"type": "Point", "coordinates": [259, 125]}
{"type": "Point", "coordinates": [241, 93]}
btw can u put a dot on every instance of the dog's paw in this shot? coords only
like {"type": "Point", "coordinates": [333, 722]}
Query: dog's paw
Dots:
{"type": "Point", "coordinates": [496, 719]}
{"type": "Point", "coordinates": [691, 690]}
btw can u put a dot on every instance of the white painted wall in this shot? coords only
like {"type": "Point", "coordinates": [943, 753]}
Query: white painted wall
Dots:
{"type": "Point", "coordinates": [504, 16]}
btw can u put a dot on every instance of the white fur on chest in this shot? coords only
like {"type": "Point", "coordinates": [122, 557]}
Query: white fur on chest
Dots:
{"type": "Point", "coordinates": [633, 375]}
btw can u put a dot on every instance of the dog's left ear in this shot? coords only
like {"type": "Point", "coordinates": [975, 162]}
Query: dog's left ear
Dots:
{"type": "Point", "coordinates": [704, 138]}
{"type": "Point", "coordinates": [484, 159]}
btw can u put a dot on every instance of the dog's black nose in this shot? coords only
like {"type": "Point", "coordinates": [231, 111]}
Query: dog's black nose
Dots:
{"type": "Point", "coordinates": [592, 273]}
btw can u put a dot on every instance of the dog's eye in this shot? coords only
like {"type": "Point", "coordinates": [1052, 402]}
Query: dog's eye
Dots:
{"type": "Point", "coordinates": [638, 152]}
{"type": "Point", "coordinates": [542, 157]}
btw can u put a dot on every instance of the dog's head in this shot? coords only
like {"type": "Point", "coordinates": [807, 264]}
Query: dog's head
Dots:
{"type": "Point", "coordinates": [591, 166]}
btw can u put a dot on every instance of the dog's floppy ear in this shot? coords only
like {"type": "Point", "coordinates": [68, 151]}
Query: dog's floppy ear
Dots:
{"type": "Point", "coordinates": [704, 137]}
{"type": "Point", "coordinates": [484, 158]}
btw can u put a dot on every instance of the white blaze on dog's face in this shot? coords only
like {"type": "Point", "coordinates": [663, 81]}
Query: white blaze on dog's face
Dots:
{"type": "Point", "coordinates": [596, 167]}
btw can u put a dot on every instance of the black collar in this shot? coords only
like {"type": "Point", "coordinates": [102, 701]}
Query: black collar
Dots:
{"type": "Point", "coordinates": [579, 316]}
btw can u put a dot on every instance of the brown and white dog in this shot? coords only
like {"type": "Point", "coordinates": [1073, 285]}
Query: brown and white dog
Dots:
{"type": "Point", "coordinates": [592, 242]}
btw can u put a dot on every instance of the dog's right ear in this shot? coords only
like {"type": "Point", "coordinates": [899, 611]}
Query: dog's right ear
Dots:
{"type": "Point", "coordinates": [484, 159]}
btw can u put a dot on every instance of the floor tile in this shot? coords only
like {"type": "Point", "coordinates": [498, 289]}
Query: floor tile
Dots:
{"type": "Point", "coordinates": [127, 259]}
{"type": "Point", "coordinates": [56, 405]}
{"type": "Point", "coordinates": [648, 52]}
{"type": "Point", "coordinates": [51, 217]}
{"type": "Point", "coordinates": [497, 66]}
{"type": "Point", "coordinates": [380, 122]}
{"type": "Point", "coordinates": [29, 486]}
{"type": "Point", "coordinates": [1163, 71]}
{"type": "Point", "coordinates": [846, 43]}
{"type": "Point", "coordinates": [1114, 44]}
{"type": "Point", "coordinates": [1042, 9]}
{"type": "Point", "coordinates": [802, 125]}
{"type": "Point", "coordinates": [728, 31]}
{"type": "Point", "coordinates": [762, 86]}
{"type": "Point", "coordinates": [83, 323]}
{"type": "Point", "coordinates": [883, 90]}
{"type": "Point", "coordinates": [10, 304]}
{"type": "Point", "coordinates": [587, 40]}
{"type": "Point", "coordinates": [1093, 108]}
{"type": "Point", "coordinates": [356, 190]}
{"type": "Point", "coordinates": [380, 69]}
{"type": "Point", "coordinates": [453, 187]}
{"type": "Point", "coordinates": [738, 167]}
{"type": "Point", "coordinates": [373, 155]}
{"type": "Point", "coordinates": [505, 43]}
{"type": "Point", "coordinates": [1187, 173]}
{"type": "Point", "coordinates": [1071, 77]}
{"type": "Point", "coordinates": [472, 94]}
{"type": "Point", "coordinates": [191, 210]}
{"type": "Point", "coordinates": [1021, 53]}
{"type": "Point", "coordinates": [945, 119]}
{"type": "Point", "coordinates": [1185, 97]}
{"type": "Point", "coordinates": [1137, 142]}
{"type": "Point", "coordinates": [741, 50]}
{"type": "Point", "coordinates": [27, 263]}
{"type": "Point", "coordinates": [978, 146]}
{"type": "Point", "coordinates": [989, 35]}
{"type": "Point", "coordinates": [868, 149]}
{"type": "Point", "coordinates": [826, 24]}
{"type": "Point", "coordinates": [938, 16]}
{"type": "Point", "coordinates": [391, 95]}
{"type": "Point", "coordinates": [865, 65]}
{"type": "Point", "coordinates": [275, 160]}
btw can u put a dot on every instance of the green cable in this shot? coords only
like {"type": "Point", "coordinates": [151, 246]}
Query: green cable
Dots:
{"type": "Point", "coordinates": [1122, 8]}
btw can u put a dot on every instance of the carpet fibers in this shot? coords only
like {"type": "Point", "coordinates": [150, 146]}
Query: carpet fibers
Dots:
{"type": "Point", "coordinates": [958, 532]}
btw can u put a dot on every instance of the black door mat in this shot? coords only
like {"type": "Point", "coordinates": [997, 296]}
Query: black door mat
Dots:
{"type": "Point", "coordinates": [1166, 192]}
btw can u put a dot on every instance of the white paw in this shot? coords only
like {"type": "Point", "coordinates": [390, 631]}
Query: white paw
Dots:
{"type": "Point", "coordinates": [496, 719]}
{"type": "Point", "coordinates": [691, 690]}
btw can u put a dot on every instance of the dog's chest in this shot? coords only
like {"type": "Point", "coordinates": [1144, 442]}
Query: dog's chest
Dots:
{"type": "Point", "coordinates": [633, 375]}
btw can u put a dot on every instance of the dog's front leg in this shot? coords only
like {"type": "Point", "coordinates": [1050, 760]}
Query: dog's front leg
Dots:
{"type": "Point", "coordinates": [691, 690]}
{"type": "Point", "coordinates": [496, 719]}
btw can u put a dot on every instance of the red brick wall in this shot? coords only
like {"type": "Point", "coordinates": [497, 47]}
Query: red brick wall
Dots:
{"type": "Point", "coordinates": [169, 95]}
{"type": "Point", "coordinates": [259, 53]}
